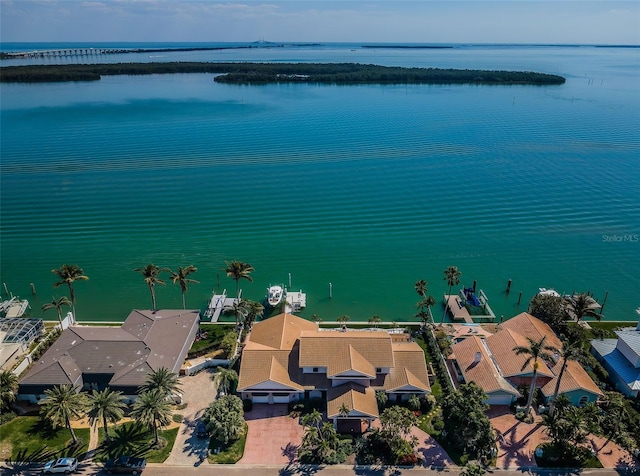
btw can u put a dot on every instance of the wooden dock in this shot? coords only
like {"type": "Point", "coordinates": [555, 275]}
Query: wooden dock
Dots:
{"type": "Point", "coordinates": [456, 308]}
{"type": "Point", "coordinates": [220, 303]}
{"type": "Point", "coordinates": [14, 307]}
{"type": "Point", "coordinates": [295, 301]}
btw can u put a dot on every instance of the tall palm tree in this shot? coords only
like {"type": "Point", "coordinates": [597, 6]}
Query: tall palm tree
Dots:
{"type": "Point", "coordinates": [152, 409]}
{"type": "Point", "coordinates": [8, 388]}
{"type": "Point", "coordinates": [375, 320]}
{"type": "Point", "coordinates": [425, 309]}
{"type": "Point", "coordinates": [254, 310]}
{"type": "Point", "coordinates": [582, 305]}
{"type": "Point", "coordinates": [616, 416]}
{"type": "Point", "coordinates": [571, 350]}
{"type": "Point", "coordinates": [161, 379]}
{"type": "Point", "coordinates": [151, 274]}
{"type": "Point", "coordinates": [227, 379]}
{"type": "Point", "coordinates": [68, 274]}
{"type": "Point", "coordinates": [107, 406]}
{"type": "Point", "coordinates": [536, 351]}
{"type": "Point", "coordinates": [62, 404]}
{"type": "Point", "coordinates": [57, 305]}
{"type": "Point", "coordinates": [181, 277]}
{"type": "Point", "coordinates": [421, 287]}
{"type": "Point", "coordinates": [239, 270]}
{"type": "Point", "coordinates": [452, 277]}
{"type": "Point", "coordinates": [240, 311]}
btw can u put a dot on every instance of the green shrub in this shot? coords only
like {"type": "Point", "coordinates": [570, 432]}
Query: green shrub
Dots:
{"type": "Point", "coordinates": [247, 404]}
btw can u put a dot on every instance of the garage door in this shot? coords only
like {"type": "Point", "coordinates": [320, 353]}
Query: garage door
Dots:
{"type": "Point", "coordinates": [260, 398]}
{"type": "Point", "coordinates": [280, 398]}
{"type": "Point", "coordinates": [499, 400]}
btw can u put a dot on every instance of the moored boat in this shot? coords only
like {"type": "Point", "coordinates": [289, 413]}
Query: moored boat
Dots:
{"type": "Point", "coordinates": [274, 295]}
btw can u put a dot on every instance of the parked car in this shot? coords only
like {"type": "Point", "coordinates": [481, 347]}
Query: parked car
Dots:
{"type": "Point", "coordinates": [125, 464]}
{"type": "Point", "coordinates": [201, 430]}
{"type": "Point", "coordinates": [61, 465]}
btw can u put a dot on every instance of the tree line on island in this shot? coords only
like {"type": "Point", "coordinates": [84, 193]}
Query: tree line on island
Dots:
{"type": "Point", "coordinates": [264, 73]}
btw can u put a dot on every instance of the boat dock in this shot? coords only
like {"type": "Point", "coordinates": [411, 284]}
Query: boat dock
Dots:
{"type": "Point", "coordinates": [456, 307]}
{"type": "Point", "coordinates": [295, 301]}
{"type": "Point", "coordinates": [14, 307]}
{"type": "Point", "coordinates": [220, 303]}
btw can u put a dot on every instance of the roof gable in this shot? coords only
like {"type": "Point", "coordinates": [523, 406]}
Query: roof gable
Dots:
{"type": "Point", "coordinates": [529, 326]}
{"type": "Point", "coordinates": [410, 369]}
{"type": "Point", "coordinates": [359, 400]}
{"type": "Point", "coordinates": [350, 361]}
{"type": "Point", "coordinates": [574, 378]}
{"type": "Point", "coordinates": [281, 331]}
{"type": "Point", "coordinates": [511, 364]}
{"type": "Point", "coordinates": [319, 348]}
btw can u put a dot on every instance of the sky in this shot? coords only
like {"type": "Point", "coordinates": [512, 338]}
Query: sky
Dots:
{"type": "Point", "coordinates": [417, 21]}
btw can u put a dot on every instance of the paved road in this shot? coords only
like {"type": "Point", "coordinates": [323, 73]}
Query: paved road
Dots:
{"type": "Point", "coordinates": [241, 470]}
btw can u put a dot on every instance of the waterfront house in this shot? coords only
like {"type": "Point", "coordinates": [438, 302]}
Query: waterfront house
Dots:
{"type": "Point", "coordinates": [287, 358]}
{"type": "Point", "coordinates": [494, 366]}
{"type": "Point", "coordinates": [96, 357]}
{"type": "Point", "coordinates": [621, 358]}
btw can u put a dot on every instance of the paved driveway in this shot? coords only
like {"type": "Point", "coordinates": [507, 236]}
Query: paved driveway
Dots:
{"type": "Point", "coordinates": [198, 391]}
{"type": "Point", "coordinates": [519, 440]}
{"type": "Point", "coordinates": [273, 436]}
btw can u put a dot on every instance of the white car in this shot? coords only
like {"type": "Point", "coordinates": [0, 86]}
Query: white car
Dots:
{"type": "Point", "coordinates": [61, 465]}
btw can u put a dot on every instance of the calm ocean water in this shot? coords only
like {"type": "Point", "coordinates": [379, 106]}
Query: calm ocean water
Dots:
{"type": "Point", "coordinates": [369, 188]}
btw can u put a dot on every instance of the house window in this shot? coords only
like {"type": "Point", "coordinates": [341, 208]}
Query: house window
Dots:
{"type": "Point", "coordinates": [260, 394]}
{"type": "Point", "coordinates": [378, 370]}
{"type": "Point", "coordinates": [583, 401]}
{"type": "Point", "coordinates": [315, 370]}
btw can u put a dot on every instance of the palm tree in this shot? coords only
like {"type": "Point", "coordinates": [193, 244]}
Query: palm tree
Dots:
{"type": "Point", "coordinates": [421, 287]}
{"type": "Point", "coordinates": [181, 277]}
{"type": "Point", "coordinates": [57, 305]}
{"type": "Point", "coordinates": [569, 351]}
{"type": "Point", "coordinates": [616, 416]}
{"type": "Point", "coordinates": [151, 274]}
{"type": "Point", "coordinates": [425, 303]}
{"type": "Point", "coordinates": [254, 310]}
{"type": "Point", "coordinates": [152, 409]}
{"type": "Point", "coordinates": [343, 320]}
{"type": "Point", "coordinates": [161, 379]}
{"type": "Point", "coordinates": [452, 277]}
{"type": "Point", "coordinates": [8, 388]}
{"type": "Point", "coordinates": [239, 270]}
{"type": "Point", "coordinates": [107, 406]}
{"type": "Point", "coordinates": [375, 320]}
{"type": "Point", "coordinates": [67, 275]}
{"type": "Point", "coordinates": [62, 404]}
{"type": "Point", "coordinates": [582, 305]}
{"type": "Point", "coordinates": [227, 379]}
{"type": "Point", "coordinates": [240, 311]}
{"type": "Point", "coordinates": [535, 351]}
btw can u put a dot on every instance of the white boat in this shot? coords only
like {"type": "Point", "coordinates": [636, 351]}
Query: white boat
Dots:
{"type": "Point", "coordinates": [274, 295]}
{"type": "Point", "coordinates": [548, 292]}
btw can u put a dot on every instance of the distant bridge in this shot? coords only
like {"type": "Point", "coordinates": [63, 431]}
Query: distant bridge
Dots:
{"type": "Point", "coordinates": [67, 52]}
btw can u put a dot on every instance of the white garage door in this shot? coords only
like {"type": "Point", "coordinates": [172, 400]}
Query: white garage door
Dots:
{"type": "Point", "coordinates": [499, 400]}
{"type": "Point", "coordinates": [260, 398]}
{"type": "Point", "coordinates": [280, 398]}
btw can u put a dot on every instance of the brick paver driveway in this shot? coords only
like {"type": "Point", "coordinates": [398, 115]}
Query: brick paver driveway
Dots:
{"type": "Point", "coordinates": [518, 440]}
{"type": "Point", "coordinates": [273, 436]}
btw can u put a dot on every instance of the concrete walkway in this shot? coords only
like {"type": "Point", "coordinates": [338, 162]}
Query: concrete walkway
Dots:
{"type": "Point", "coordinates": [198, 392]}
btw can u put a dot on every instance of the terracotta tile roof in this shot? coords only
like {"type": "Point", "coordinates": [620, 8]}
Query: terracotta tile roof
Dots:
{"type": "Point", "coordinates": [528, 326]}
{"type": "Point", "coordinates": [510, 364]}
{"type": "Point", "coordinates": [410, 368]}
{"type": "Point", "coordinates": [349, 360]}
{"type": "Point", "coordinates": [574, 378]}
{"type": "Point", "coordinates": [319, 348]}
{"type": "Point", "coordinates": [360, 400]}
{"type": "Point", "coordinates": [281, 331]}
{"type": "Point", "coordinates": [480, 370]}
{"type": "Point", "coordinates": [261, 366]}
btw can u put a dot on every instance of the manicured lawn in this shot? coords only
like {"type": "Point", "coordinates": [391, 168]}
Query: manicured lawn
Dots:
{"type": "Point", "coordinates": [132, 439]}
{"type": "Point", "coordinates": [214, 335]}
{"type": "Point", "coordinates": [231, 454]}
{"type": "Point", "coordinates": [28, 438]}
{"type": "Point", "coordinates": [611, 325]}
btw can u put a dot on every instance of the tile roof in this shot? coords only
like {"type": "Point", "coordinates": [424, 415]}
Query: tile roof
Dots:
{"type": "Point", "coordinates": [529, 326]}
{"type": "Point", "coordinates": [262, 366]}
{"type": "Point", "coordinates": [320, 348]}
{"type": "Point", "coordinates": [510, 364]}
{"type": "Point", "coordinates": [281, 331]}
{"type": "Point", "coordinates": [574, 378]}
{"type": "Point", "coordinates": [357, 398]}
{"type": "Point", "coordinates": [145, 342]}
{"type": "Point", "coordinates": [410, 369]}
{"type": "Point", "coordinates": [349, 360]}
{"type": "Point", "coordinates": [477, 366]}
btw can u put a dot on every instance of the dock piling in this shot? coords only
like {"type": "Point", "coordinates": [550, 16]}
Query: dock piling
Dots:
{"type": "Point", "coordinates": [508, 286]}
{"type": "Point", "coordinates": [33, 289]}
{"type": "Point", "coordinates": [475, 283]}
{"type": "Point", "coordinates": [519, 297]}
{"type": "Point", "coordinates": [289, 280]}
{"type": "Point", "coordinates": [606, 295]}
{"type": "Point", "coordinates": [6, 291]}
{"type": "Point", "coordinates": [330, 290]}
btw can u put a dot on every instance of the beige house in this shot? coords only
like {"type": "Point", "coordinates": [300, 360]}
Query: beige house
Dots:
{"type": "Point", "coordinates": [491, 363]}
{"type": "Point", "coordinates": [287, 358]}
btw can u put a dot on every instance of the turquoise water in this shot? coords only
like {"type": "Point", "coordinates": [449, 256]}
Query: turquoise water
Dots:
{"type": "Point", "coordinates": [369, 188]}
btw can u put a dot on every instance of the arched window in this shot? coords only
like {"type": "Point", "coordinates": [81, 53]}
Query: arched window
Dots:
{"type": "Point", "coordinates": [583, 401]}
